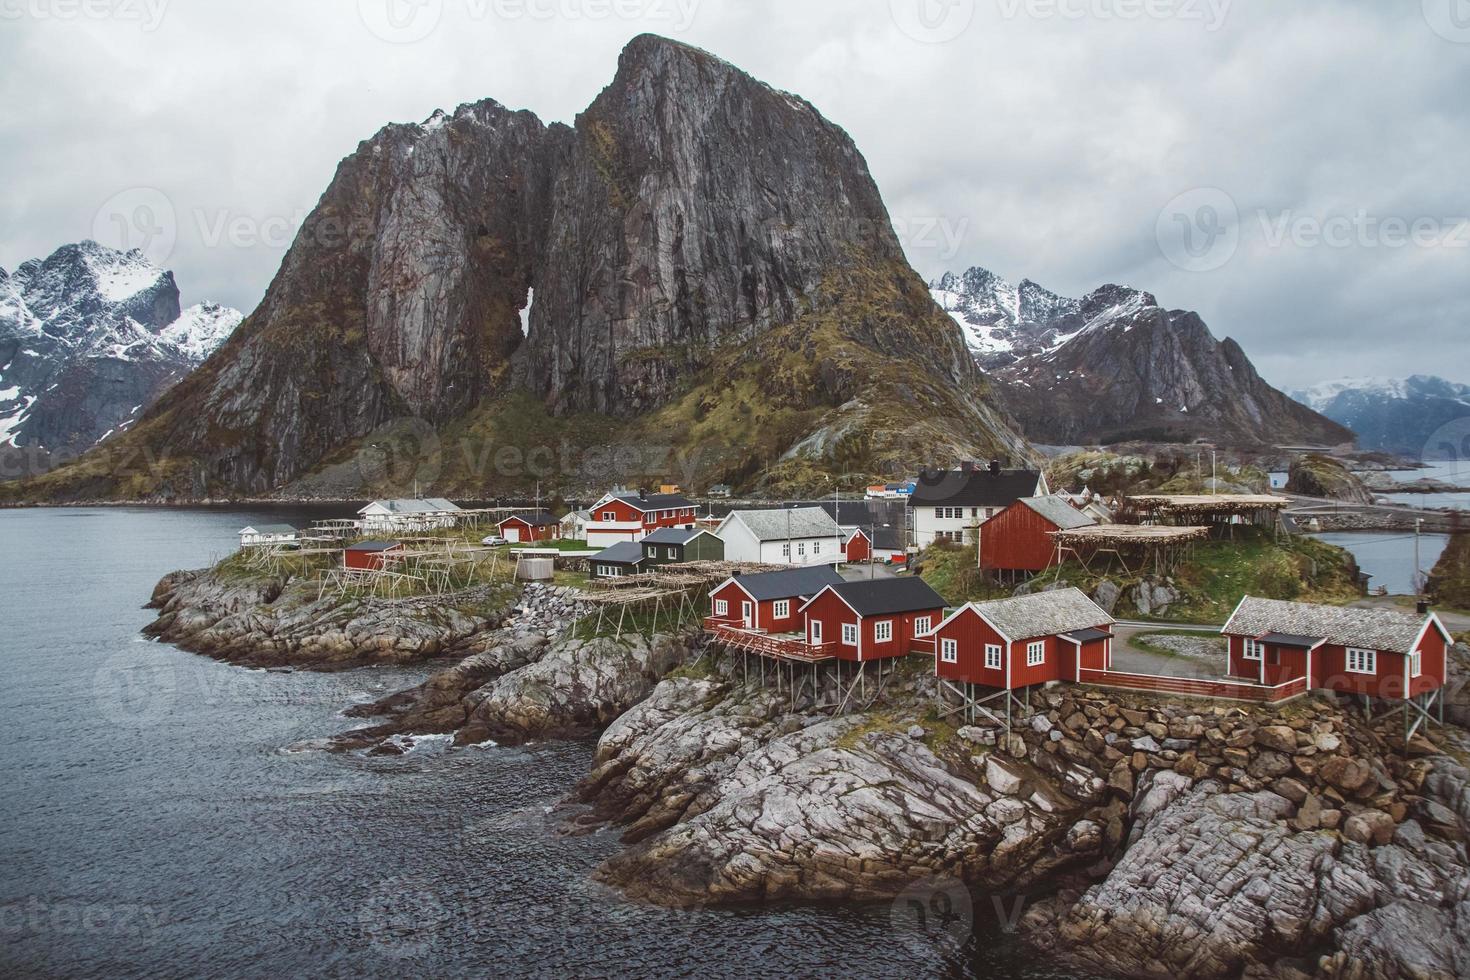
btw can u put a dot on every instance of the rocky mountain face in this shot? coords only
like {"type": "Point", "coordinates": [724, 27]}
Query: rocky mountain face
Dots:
{"type": "Point", "coordinates": [701, 259]}
{"type": "Point", "coordinates": [89, 338]}
{"type": "Point", "coordinates": [1115, 367]}
{"type": "Point", "coordinates": [1398, 415]}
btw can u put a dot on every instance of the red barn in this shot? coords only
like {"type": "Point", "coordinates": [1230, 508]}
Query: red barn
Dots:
{"type": "Point", "coordinates": [369, 555]}
{"type": "Point", "coordinates": [872, 619]}
{"type": "Point", "coordinates": [1381, 653]}
{"type": "Point", "coordinates": [539, 526]}
{"type": "Point", "coordinates": [857, 546]}
{"type": "Point", "coordinates": [1019, 538]}
{"type": "Point", "coordinates": [630, 516]}
{"type": "Point", "coordinates": [1031, 639]}
{"type": "Point", "coordinates": [769, 601]}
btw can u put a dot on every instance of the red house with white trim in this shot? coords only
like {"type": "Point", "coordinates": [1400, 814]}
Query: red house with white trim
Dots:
{"type": "Point", "coordinates": [1032, 639]}
{"type": "Point", "coordinates": [857, 546]}
{"type": "Point", "coordinates": [539, 526]}
{"type": "Point", "coordinates": [1381, 653]}
{"type": "Point", "coordinates": [873, 619]}
{"type": "Point", "coordinates": [769, 601]}
{"type": "Point", "coordinates": [629, 516]}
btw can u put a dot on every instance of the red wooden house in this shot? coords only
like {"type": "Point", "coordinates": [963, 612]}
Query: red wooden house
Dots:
{"type": "Point", "coordinates": [856, 545]}
{"type": "Point", "coordinates": [630, 516]}
{"type": "Point", "coordinates": [769, 601]}
{"type": "Point", "coordinates": [369, 555]}
{"type": "Point", "coordinates": [538, 526]}
{"type": "Point", "coordinates": [873, 619]}
{"type": "Point", "coordinates": [1032, 639]}
{"type": "Point", "coordinates": [1019, 538]}
{"type": "Point", "coordinates": [1381, 653]}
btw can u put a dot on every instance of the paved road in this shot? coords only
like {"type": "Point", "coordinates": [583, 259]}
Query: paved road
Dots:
{"type": "Point", "coordinates": [1129, 658]}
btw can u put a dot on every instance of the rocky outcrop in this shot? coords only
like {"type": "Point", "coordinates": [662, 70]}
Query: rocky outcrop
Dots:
{"type": "Point", "coordinates": [1322, 476]}
{"type": "Point", "coordinates": [270, 621]}
{"type": "Point", "coordinates": [697, 244]}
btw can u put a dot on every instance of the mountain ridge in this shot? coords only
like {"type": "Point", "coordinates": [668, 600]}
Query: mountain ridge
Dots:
{"type": "Point", "coordinates": [1422, 416]}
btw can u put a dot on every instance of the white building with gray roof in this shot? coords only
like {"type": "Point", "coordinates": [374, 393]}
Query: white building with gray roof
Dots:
{"type": "Point", "coordinates": [782, 536]}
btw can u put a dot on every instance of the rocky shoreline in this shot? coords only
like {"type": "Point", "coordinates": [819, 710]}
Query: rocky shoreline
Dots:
{"type": "Point", "coordinates": [1182, 838]}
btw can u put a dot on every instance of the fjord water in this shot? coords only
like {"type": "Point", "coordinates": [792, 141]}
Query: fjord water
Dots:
{"type": "Point", "coordinates": [159, 816]}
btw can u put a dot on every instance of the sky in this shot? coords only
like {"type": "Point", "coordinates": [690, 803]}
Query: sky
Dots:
{"type": "Point", "coordinates": [1295, 172]}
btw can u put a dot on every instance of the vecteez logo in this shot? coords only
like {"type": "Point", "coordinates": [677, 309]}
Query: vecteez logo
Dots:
{"type": "Point", "coordinates": [141, 218]}
{"type": "Point", "coordinates": [147, 14]}
{"type": "Point", "coordinates": [400, 21]}
{"type": "Point", "coordinates": [932, 21]}
{"type": "Point", "coordinates": [1199, 230]}
{"type": "Point", "coordinates": [1450, 19]}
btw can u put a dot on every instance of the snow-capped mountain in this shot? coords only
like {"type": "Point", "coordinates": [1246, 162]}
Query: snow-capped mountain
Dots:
{"type": "Point", "coordinates": [1397, 415]}
{"type": "Point", "coordinates": [1002, 322]}
{"type": "Point", "coordinates": [1116, 367]}
{"type": "Point", "coordinates": [89, 337]}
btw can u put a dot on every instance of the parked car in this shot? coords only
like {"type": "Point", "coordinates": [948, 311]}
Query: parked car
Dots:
{"type": "Point", "coordinates": [492, 540]}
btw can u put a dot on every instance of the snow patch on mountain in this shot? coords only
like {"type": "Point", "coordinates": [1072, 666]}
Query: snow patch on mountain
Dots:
{"type": "Point", "coordinates": [1417, 416]}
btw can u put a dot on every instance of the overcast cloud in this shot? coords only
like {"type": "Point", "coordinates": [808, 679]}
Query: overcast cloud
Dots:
{"type": "Point", "coordinates": [1296, 172]}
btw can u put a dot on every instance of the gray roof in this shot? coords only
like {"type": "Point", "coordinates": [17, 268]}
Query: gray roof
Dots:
{"type": "Point", "coordinates": [622, 553]}
{"type": "Point", "coordinates": [673, 535]}
{"type": "Point", "coordinates": [885, 596]}
{"type": "Point", "coordinates": [1058, 511]}
{"type": "Point", "coordinates": [789, 522]}
{"type": "Point", "coordinates": [973, 488]}
{"type": "Point", "coordinates": [269, 529]}
{"type": "Point", "coordinates": [655, 501]}
{"type": "Point", "coordinates": [1042, 614]}
{"type": "Point", "coordinates": [374, 545]}
{"type": "Point", "coordinates": [790, 583]}
{"type": "Point", "coordinates": [428, 505]}
{"type": "Point", "coordinates": [1370, 629]}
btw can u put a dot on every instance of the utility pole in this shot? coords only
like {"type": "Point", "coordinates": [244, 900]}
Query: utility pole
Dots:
{"type": "Point", "coordinates": [790, 558]}
{"type": "Point", "coordinates": [1418, 576]}
{"type": "Point", "coordinates": [1214, 480]}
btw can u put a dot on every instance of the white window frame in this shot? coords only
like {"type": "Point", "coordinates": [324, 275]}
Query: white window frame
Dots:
{"type": "Point", "coordinates": [1366, 661]}
{"type": "Point", "coordinates": [672, 551]}
{"type": "Point", "coordinates": [992, 656]}
{"type": "Point", "coordinates": [786, 550]}
{"type": "Point", "coordinates": [849, 634]}
{"type": "Point", "coordinates": [781, 609]}
{"type": "Point", "coordinates": [1254, 649]}
{"type": "Point", "coordinates": [1416, 663]}
{"type": "Point", "coordinates": [650, 518]}
{"type": "Point", "coordinates": [609, 516]}
{"type": "Point", "coordinates": [949, 651]}
{"type": "Point", "coordinates": [816, 547]}
{"type": "Point", "coordinates": [722, 607]}
{"type": "Point", "coordinates": [801, 549]}
{"type": "Point", "coordinates": [883, 631]}
{"type": "Point", "coordinates": [1035, 653]}
{"type": "Point", "coordinates": [922, 625]}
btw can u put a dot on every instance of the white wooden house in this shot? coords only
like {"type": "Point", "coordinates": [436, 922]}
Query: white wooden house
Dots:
{"type": "Point", "coordinates": [398, 515]}
{"type": "Point", "coordinates": [259, 534]}
{"type": "Point", "coordinates": [785, 536]}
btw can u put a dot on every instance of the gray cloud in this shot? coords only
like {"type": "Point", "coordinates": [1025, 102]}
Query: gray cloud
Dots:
{"type": "Point", "coordinates": [1039, 138]}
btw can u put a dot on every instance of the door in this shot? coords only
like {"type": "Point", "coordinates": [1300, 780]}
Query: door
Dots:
{"type": "Point", "coordinates": [747, 614]}
{"type": "Point", "coordinates": [512, 534]}
{"type": "Point", "coordinates": [816, 632]}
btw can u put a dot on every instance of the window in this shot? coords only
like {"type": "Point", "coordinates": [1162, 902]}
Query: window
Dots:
{"type": "Point", "coordinates": [992, 656]}
{"type": "Point", "coordinates": [651, 551]}
{"type": "Point", "coordinates": [949, 651]}
{"type": "Point", "coordinates": [786, 550]}
{"type": "Point", "coordinates": [722, 607]}
{"type": "Point", "coordinates": [609, 515]}
{"type": "Point", "coordinates": [649, 518]}
{"type": "Point", "coordinates": [1253, 649]}
{"type": "Point", "coordinates": [816, 547]}
{"type": "Point", "coordinates": [1036, 653]}
{"type": "Point", "coordinates": [849, 634]}
{"type": "Point", "coordinates": [801, 549]}
{"type": "Point", "coordinates": [1416, 664]}
{"type": "Point", "coordinates": [1362, 661]}
{"type": "Point", "coordinates": [672, 553]}
{"type": "Point", "coordinates": [782, 608]}
{"type": "Point", "coordinates": [921, 625]}
{"type": "Point", "coordinates": [883, 632]}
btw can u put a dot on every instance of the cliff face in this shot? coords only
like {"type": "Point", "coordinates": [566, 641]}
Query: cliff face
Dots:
{"type": "Point", "coordinates": [1126, 369]}
{"type": "Point", "coordinates": [693, 228]}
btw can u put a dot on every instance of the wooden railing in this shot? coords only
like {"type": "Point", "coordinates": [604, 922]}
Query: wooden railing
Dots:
{"type": "Point", "coordinates": [1194, 686]}
{"type": "Point", "coordinates": [787, 647]}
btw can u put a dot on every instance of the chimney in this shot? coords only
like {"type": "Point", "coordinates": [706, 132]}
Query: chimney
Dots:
{"type": "Point", "coordinates": [642, 493]}
{"type": "Point", "coordinates": [995, 467]}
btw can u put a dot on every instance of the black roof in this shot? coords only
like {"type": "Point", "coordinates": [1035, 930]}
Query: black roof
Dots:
{"type": "Point", "coordinates": [373, 545]}
{"type": "Point", "coordinates": [881, 596]}
{"type": "Point", "coordinates": [975, 488]}
{"type": "Point", "coordinates": [655, 501]}
{"type": "Point", "coordinates": [1292, 640]}
{"type": "Point", "coordinates": [1087, 635]}
{"type": "Point", "coordinates": [871, 516]}
{"type": "Point", "coordinates": [622, 553]}
{"type": "Point", "coordinates": [789, 583]}
{"type": "Point", "coordinates": [535, 519]}
{"type": "Point", "coordinates": [673, 535]}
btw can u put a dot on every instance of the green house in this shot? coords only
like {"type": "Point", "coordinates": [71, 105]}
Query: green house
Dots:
{"type": "Point", "coordinates": [668, 545]}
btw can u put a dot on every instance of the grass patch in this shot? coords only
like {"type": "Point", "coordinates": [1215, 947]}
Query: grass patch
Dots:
{"type": "Point", "coordinates": [1144, 641]}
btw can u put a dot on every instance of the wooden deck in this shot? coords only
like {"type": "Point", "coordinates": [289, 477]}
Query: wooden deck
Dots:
{"type": "Point", "coordinates": [1226, 690]}
{"type": "Point", "coordinates": [784, 646]}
